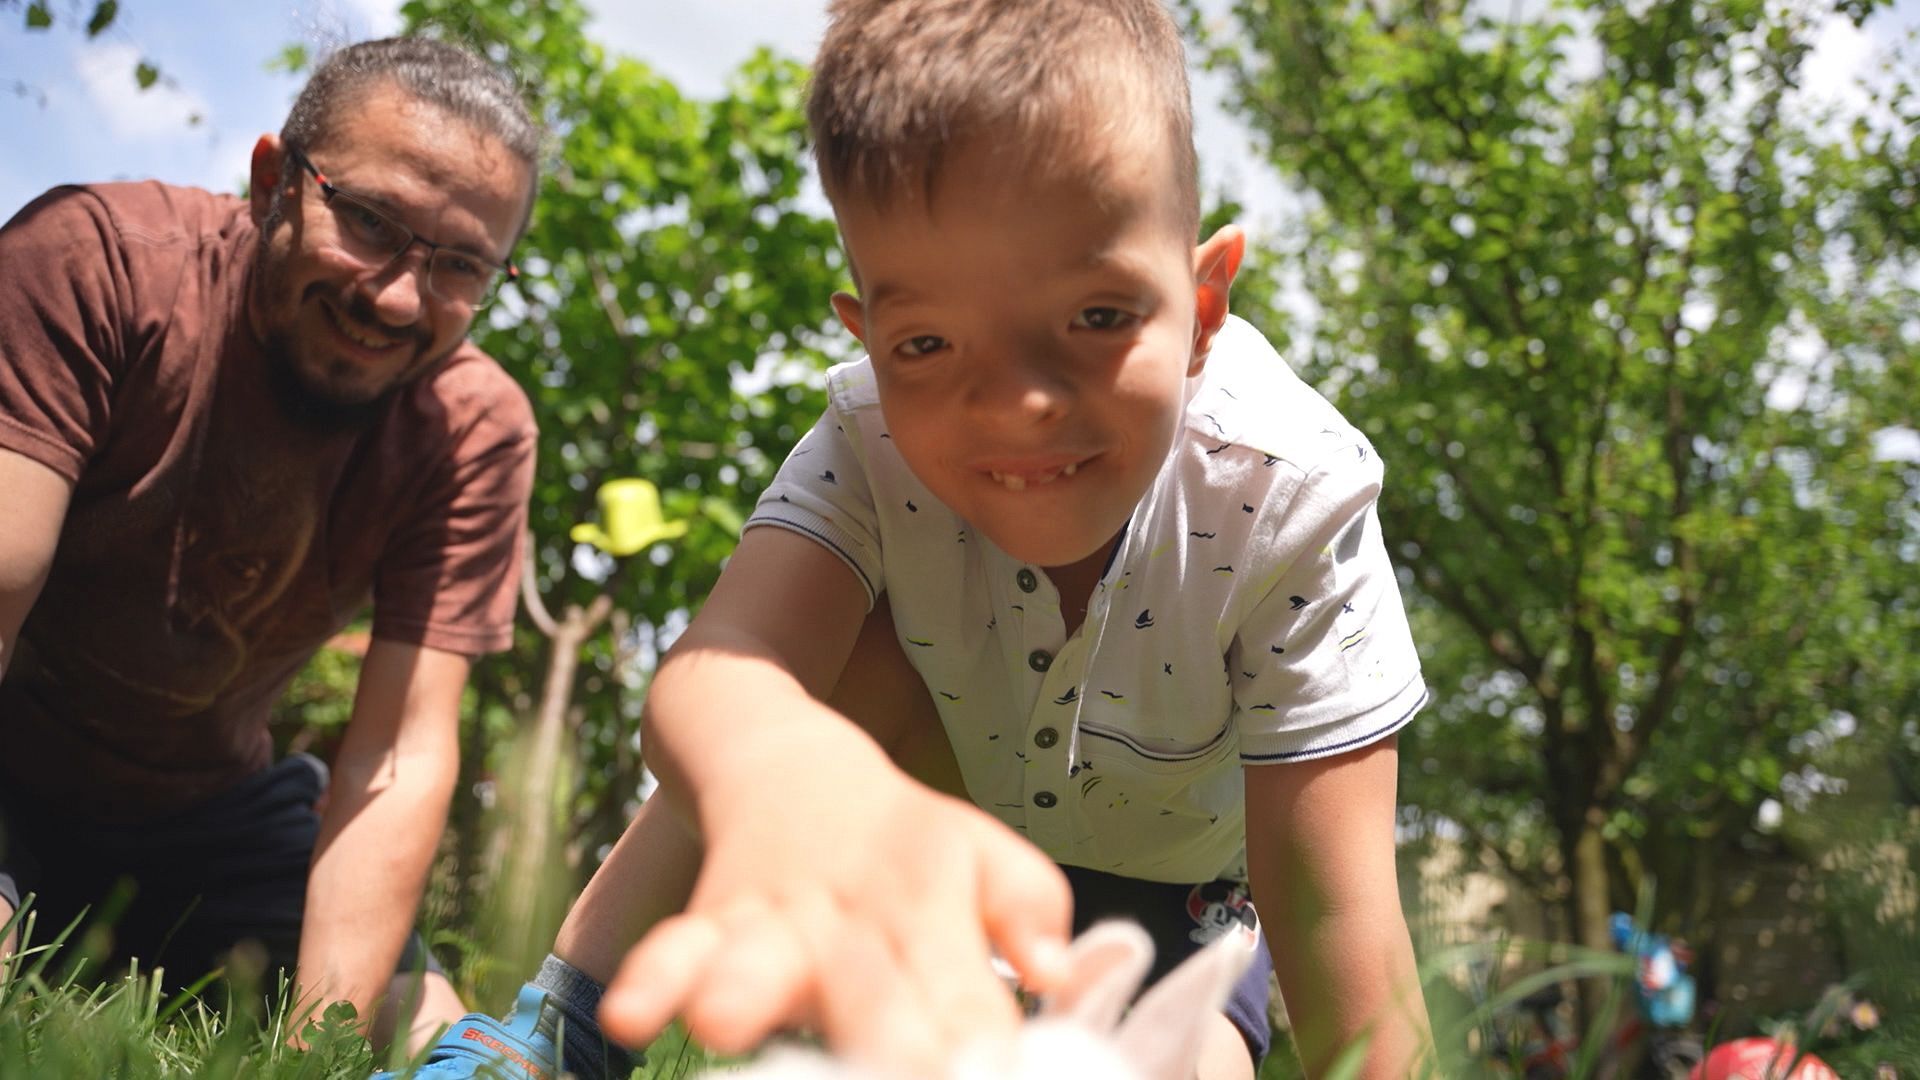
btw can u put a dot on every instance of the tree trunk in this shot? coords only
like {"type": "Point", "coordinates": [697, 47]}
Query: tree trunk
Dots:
{"type": "Point", "coordinates": [1591, 909]}
{"type": "Point", "coordinates": [549, 733]}
{"type": "Point", "coordinates": [539, 776]}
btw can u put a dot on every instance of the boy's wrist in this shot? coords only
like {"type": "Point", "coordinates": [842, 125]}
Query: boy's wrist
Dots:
{"type": "Point", "coordinates": [773, 764]}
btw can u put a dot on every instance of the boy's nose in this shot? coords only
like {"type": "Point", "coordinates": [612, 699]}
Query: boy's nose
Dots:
{"type": "Point", "coordinates": [1026, 385]}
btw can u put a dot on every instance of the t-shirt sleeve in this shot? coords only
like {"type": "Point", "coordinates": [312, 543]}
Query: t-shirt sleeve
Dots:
{"type": "Point", "coordinates": [450, 576]}
{"type": "Point", "coordinates": [1325, 661]}
{"type": "Point", "coordinates": [822, 492]}
{"type": "Point", "coordinates": [63, 333]}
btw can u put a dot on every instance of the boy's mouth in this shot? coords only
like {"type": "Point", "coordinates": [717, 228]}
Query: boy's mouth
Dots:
{"type": "Point", "coordinates": [1022, 479]}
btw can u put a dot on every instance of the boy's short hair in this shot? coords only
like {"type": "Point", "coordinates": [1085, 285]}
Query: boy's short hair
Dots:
{"type": "Point", "coordinates": [898, 82]}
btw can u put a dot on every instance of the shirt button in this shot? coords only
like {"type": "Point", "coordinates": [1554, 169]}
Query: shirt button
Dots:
{"type": "Point", "coordinates": [1027, 581]}
{"type": "Point", "coordinates": [1044, 800]}
{"type": "Point", "coordinates": [1045, 738]}
{"type": "Point", "coordinates": [1039, 660]}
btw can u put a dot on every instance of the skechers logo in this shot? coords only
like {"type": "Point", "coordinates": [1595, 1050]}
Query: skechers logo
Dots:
{"type": "Point", "coordinates": [505, 1051]}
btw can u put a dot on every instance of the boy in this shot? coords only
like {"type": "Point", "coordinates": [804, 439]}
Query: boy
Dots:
{"type": "Point", "coordinates": [1132, 561]}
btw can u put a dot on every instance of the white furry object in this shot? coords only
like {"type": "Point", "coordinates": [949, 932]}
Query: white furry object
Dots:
{"type": "Point", "coordinates": [1084, 1030]}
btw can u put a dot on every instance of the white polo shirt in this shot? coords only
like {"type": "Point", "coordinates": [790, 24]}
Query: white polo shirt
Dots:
{"type": "Point", "coordinates": [1249, 616]}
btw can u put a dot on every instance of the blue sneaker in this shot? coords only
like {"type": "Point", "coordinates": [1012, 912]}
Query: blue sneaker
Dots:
{"type": "Point", "coordinates": [521, 1047]}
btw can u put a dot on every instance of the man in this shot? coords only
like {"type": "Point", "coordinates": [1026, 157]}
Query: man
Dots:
{"type": "Point", "coordinates": [224, 426]}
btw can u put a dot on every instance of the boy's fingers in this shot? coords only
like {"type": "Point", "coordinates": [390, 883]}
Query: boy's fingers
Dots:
{"type": "Point", "coordinates": [656, 978]}
{"type": "Point", "coordinates": [945, 951]}
{"type": "Point", "coordinates": [1027, 910]}
{"type": "Point", "coordinates": [756, 985]}
{"type": "Point", "coordinates": [878, 1017]}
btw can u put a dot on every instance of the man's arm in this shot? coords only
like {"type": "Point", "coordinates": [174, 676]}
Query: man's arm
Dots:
{"type": "Point", "coordinates": [836, 893]}
{"type": "Point", "coordinates": [392, 781]}
{"type": "Point", "coordinates": [36, 506]}
{"type": "Point", "coordinates": [1320, 852]}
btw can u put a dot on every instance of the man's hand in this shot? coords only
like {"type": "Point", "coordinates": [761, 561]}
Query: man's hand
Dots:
{"type": "Point", "coordinates": [840, 896]}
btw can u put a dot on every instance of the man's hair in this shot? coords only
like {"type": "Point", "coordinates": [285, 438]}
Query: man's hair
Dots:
{"type": "Point", "coordinates": [898, 82]}
{"type": "Point", "coordinates": [445, 76]}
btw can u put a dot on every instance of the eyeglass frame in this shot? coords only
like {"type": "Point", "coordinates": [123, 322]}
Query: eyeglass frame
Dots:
{"type": "Point", "coordinates": [329, 189]}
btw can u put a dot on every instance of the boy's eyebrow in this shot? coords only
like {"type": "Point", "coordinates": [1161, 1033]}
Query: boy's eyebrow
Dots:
{"type": "Point", "coordinates": [1110, 258]}
{"type": "Point", "coordinates": [886, 292]}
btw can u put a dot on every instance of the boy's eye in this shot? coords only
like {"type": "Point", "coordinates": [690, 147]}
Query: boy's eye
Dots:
{"type": "Point", "coordinates": [921, 345]}
{"type": "Point", "coordinates": [1102, 318]}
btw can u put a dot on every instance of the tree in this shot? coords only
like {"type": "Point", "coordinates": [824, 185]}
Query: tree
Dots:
{"type": "Point", "coordinates": [1634, 337]}
{"type": "Point", "coordinates": [670, 268]}
{"type": "Point", "coordinates": [40, 15]}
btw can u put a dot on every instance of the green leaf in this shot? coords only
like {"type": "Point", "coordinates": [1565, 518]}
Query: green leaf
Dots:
{"type": "Point", "coordinates": [145, 74]}
{"type": "Point", "coordinates": [723, 513]}
{"type": "Point", "coordinates": [290, 60]}
{"type": "Point", "coordinates": [38, 17]}
{"type": "Point", "coordinates": [103, 14]}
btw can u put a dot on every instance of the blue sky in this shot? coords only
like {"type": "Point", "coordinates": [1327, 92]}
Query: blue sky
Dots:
{"type": "Point", "coordinates": [93, 123]}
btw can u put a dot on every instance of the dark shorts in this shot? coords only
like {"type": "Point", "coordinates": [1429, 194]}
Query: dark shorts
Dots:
{"type": "Point", "coordinates": [182, 891]}
{"type": "Point", "coordinates": [1182, 919]}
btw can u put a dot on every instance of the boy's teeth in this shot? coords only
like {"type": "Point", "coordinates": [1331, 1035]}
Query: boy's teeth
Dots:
{"type": "Point", "coordinates": [1014, 482]}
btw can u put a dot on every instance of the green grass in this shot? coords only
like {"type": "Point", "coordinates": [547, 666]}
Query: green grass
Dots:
{"type": "Point", "coordinates": [53, 1024]}
{"type": "Point", "coordinates": [56, 1024]}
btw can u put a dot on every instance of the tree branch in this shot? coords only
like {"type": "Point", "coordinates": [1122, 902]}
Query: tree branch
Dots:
{"type": "Point", "coordinates": [530, 591]}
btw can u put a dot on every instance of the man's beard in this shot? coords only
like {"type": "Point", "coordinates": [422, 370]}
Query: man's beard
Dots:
{"type": "Point", "coordinates": [316, 407]}
{"type": "Point", "coordinates": [307, 405]}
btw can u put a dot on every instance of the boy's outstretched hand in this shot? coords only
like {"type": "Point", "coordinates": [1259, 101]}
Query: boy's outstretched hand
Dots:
{"type": "Point", "coordinates": [842, 897]}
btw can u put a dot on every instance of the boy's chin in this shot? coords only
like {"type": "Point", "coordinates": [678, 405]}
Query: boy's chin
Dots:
{"type": "Point", "coordinates": [1051, 553]}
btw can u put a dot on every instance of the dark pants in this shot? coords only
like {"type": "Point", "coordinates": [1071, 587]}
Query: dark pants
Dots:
{"type": "Point", "coordinates": [1182, 919]}
{"type": "Point", "coordinates": [180, 892]}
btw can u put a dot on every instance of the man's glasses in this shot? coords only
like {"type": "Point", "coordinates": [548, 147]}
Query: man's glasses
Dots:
{"type": "Point", "coordinates": [375, 239]}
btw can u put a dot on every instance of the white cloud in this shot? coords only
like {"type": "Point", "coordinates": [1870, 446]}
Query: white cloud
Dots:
{"type": "Point", "coordinates": [371, 18]}
{"type": "Point", "coordinates": [1849, 68]}
{"type": "Point", "coordinates": [161, 111]}
{"type": "Point", "coordinates": [1842, 55]}
{"type": "Point", "coordinates": [698, 45]}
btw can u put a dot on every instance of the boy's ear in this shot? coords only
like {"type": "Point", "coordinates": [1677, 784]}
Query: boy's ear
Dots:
{"type": "Point", "coordinates": [1215, 262]}
{"type": "Point", "coordinates": [265, 176]}
{"type": "Point", "coordinates": [847, 306]}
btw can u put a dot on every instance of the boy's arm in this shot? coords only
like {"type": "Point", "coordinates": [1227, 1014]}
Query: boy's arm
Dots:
{"type": "Point", "coordinates": [1320, 853]}
{"type": "Point", "coordinates": [836, 893]}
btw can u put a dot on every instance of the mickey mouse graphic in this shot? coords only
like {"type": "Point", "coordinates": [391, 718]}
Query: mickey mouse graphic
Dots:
{"type": "Point", "coordinates": [1219, 908]}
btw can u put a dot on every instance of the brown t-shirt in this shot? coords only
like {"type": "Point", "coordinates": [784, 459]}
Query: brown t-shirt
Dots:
{"type": "Point", "coordinates": [214, 541]}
